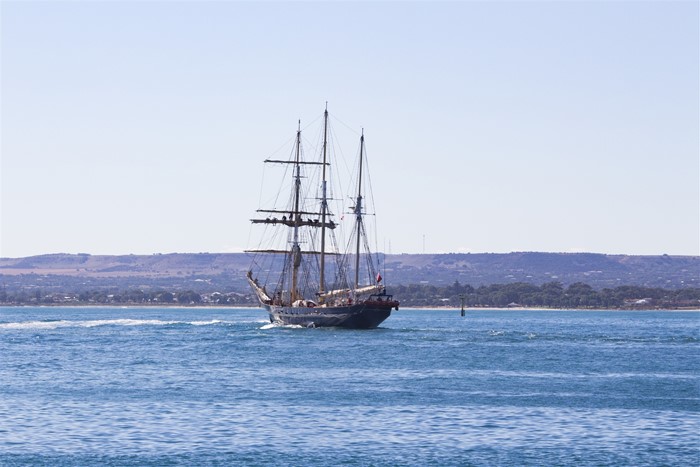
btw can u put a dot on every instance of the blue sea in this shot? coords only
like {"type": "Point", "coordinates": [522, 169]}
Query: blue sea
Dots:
{"type": "Point", "coordinates": [203, 386]}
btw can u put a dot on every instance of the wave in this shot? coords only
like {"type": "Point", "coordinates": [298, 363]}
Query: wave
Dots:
{"type": "Point", "coordinates": [55, 324]}
{"type": "Point", "coordinates": [288, 326]}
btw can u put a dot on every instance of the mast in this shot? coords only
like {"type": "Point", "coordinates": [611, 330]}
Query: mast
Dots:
{"type": "Point", "coordinates": [296, 218]}
{"type": "Point", "coordinates": [296, 250]}
{"type": "Point", "coordinates": [324, 204]}
{"type": "Point", "coordinates": [358, 213]}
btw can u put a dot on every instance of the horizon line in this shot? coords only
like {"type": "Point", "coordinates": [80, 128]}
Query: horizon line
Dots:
{"type": "Point", "coordinates": [378, 252]}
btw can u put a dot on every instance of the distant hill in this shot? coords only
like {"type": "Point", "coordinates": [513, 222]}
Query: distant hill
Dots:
{"type": "Point", "coordinates": [207, 272]}
{"type": "Point", "coordinates": [597, 270]}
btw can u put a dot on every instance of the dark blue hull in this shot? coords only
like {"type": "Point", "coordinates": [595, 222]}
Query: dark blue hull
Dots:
{"type": "Point", "coordinates": [359, 316]}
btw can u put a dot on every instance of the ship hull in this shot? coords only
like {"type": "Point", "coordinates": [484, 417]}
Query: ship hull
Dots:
{"type": "Point", "coordinates": [359, 316]}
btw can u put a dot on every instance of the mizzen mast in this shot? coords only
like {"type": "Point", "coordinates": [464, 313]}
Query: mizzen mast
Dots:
{"type": "Point", "coordinates": [358, 213]}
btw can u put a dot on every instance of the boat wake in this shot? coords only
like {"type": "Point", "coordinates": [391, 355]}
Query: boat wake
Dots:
{"type": "Point", "coordinates": [55, 324]}
{"type": "Point", "coordinates": [286, 326]}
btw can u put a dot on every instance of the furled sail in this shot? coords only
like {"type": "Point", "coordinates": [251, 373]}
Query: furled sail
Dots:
{"type": "Point", "coordinates": [259, 291]}
{"type": "Point", "coordinates": [369, 289]}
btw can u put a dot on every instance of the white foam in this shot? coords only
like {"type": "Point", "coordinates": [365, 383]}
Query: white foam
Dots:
{"type": "Point", "coordinates": [36, 325]}
{"type": "Point", "coordinates": [288, 326]}
{"type": "Point", "coordinates": [205, 323]}
{"type": "Point", "coordinates": [122, 322]}
{"type": "Point", "coordinates": [100, 322]}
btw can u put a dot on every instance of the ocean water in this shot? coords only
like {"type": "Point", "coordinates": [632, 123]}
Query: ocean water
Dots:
{"type": "Point", "coordinates": [185, 386]}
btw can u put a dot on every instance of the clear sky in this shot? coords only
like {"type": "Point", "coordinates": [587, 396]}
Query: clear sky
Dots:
{"type": "Point", "coordinates": [140, 127]}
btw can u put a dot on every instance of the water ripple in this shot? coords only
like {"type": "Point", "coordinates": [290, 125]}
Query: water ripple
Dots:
{"type": "Point", "coordinates": [223, 387]}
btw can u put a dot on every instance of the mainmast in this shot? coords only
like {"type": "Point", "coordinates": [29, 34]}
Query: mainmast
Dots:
{"type": "Point", "coordinates": [296, 249]}
{"type": "Point", "coordinates": [358, 213]}
{"type": "Point", "coordinates": [324, 205]}
{"type": "Point", "coordinates": [296, 218]}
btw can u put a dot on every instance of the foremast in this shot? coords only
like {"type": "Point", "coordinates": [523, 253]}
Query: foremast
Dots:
{"type": "Point", "coordinates": [294, 221]}
{"type": "Point", "coordinates": [293, 218]}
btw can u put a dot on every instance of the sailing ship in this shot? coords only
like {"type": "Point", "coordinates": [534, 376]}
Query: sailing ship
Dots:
{"type": "Point", "coordinates": [313, 283]}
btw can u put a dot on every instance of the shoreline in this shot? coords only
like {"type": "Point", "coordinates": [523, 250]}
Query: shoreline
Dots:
{"type": "Point", "coordinates": [249, 307]}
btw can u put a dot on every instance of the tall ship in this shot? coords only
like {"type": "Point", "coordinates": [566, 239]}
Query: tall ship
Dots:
{"type": "Point", "coordinates": [305, 271]}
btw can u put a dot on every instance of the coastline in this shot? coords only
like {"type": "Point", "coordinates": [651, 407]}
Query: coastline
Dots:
{"type": "Point", "coordinates": [248, 307]}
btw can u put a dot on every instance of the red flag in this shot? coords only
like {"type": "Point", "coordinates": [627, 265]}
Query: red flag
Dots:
{"type": "Point", "coordinates": [379, 278]}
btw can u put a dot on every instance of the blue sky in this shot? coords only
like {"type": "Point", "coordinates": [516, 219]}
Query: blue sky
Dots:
{"type": "Point", "coordinates": [140, 127]}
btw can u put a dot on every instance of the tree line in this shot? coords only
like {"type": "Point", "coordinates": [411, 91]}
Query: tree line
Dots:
{"type": "Point", "coordinates": [518, 294]}
{"type": "Point", "coordinates": [124, 297]}
{"type": "Point", "coordinates": [549, 295]}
